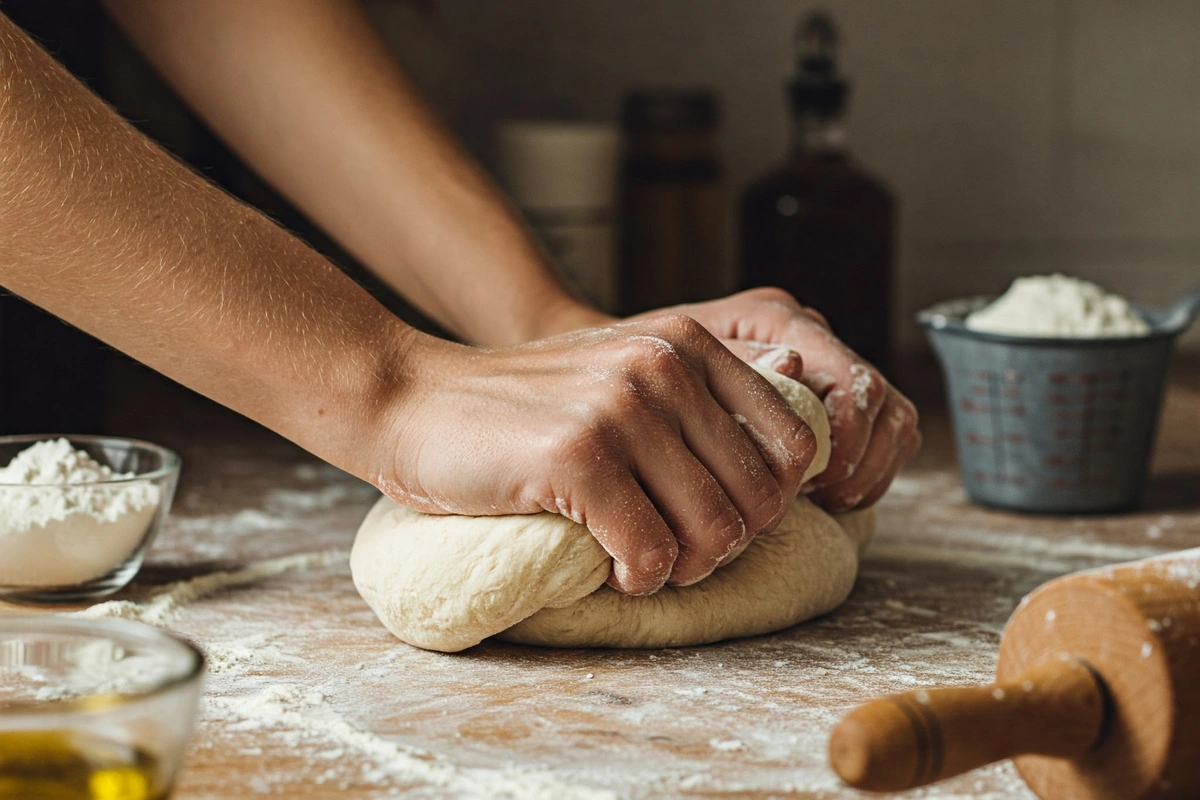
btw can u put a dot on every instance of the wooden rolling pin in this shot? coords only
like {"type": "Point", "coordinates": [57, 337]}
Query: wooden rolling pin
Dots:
{"type": "Point", "coordinates": [1097, 696]}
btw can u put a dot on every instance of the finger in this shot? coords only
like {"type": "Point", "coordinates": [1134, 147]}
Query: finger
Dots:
{"type": "Point", "coordinates": [853, 406]}
{"type": "Point", "coordinates": [786, 443]}
{"type": "Point", "coordinates": [907, 450]}
{"type": "Point", "coordinates": [628, 526]}
{"type": "Point", "coordinates": [886, 437]}
{"type": "Point", "coordinates": [779, 358]}
{"type": "Point", "coordinates": [705, 523]}
{"type": "Point", "coordinates": [726, 451]}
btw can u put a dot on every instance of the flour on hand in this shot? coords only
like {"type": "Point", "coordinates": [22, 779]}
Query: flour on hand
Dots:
{"type": "Point", "coordinates": [61, 523]}
{"type": "Point", "coordinates": [1058, 306]}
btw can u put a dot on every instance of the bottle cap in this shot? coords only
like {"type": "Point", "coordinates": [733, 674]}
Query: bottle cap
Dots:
{"type": "Point", "coordinates": [817, 87]}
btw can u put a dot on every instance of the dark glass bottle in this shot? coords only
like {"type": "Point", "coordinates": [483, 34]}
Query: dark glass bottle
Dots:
{"type": "Point", "coordinates": [819, 226]}
{"type": "Point", "coordinates": [672, 210]}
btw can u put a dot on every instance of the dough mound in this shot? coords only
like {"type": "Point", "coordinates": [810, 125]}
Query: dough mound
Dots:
{"type": "Point", "coordinates": [449, 582]}
{"type": "Point", "coordinates": [804, 568]}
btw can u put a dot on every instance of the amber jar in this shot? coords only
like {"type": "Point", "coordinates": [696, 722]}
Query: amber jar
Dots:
{"type": "Point", "coordinates": [672, 212]}
{"type": "Point", "coordinates": [819, 225]}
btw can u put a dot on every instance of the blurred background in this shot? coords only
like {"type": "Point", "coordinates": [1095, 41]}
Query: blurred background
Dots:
{"type": "Point", "coordinates": [987, 140]}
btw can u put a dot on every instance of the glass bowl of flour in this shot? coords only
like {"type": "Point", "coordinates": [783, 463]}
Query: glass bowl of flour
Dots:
{"type": "Point", "coordinates": [77, 514]}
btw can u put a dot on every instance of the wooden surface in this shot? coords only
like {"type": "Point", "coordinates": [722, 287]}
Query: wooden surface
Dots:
{"type": "Point", "coordinates": [308, 696]}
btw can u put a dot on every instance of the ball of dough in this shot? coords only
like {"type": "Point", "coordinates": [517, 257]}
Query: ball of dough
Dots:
{"type": "Point", "coordinates": [448, 582]}
{"type": "Point", "coordinates": [804, 568]}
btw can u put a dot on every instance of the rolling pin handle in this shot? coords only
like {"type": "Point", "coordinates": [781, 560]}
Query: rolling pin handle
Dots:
{"type": "Point", "coordinates": [1057, 708]}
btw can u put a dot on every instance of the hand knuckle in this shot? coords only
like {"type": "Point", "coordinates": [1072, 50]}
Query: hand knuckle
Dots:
{"type": "Point", "coordinates": [654, 563]}
{"type": "Point", "coordinates": [800, 444]}
{"type": "Point", "coordinates": [646, 356]}
{"type": "Point", "coordinates": [623, 397]}
{"type": "Point", "coordinates": [679, 327]}
{"type": "Point", "coordinates": [726, 533]}
{"type": "Point", "coordinates": [766, 504]}
{"type": "Point", "coordinates": [876, 388]}
{"type": "Point", "coordinates": [772, 294]}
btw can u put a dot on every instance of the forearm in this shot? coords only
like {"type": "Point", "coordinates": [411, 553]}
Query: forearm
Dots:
{"type": "Point", "coordinates": [105, 230]}
{"type": "Point", "coordinates": [307, 93]}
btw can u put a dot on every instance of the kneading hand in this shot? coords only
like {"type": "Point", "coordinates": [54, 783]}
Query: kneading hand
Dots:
{"type": "Point", "coordinates": [672, 451]}
{"type": "Point", "coordinates": [874, 427]}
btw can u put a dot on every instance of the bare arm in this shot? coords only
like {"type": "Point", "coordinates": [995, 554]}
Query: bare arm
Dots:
{"type": "Point", "coordinates": [307, 93]}
{"type": "Point", "coordinates": [104, 229]}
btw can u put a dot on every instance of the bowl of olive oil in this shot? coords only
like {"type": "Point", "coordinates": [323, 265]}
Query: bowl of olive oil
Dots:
{"type": "Point", "coordinates": [93, 709]}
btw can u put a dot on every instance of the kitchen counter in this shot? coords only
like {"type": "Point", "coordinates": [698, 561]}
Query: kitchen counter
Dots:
{"type": "Point", "coordinates": [309, 696]}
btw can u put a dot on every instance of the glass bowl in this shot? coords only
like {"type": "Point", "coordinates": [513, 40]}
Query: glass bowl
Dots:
{"type": "Point", "coordinates": [93, 708]}
{"type": "Point", "coordinates": [74, 543]}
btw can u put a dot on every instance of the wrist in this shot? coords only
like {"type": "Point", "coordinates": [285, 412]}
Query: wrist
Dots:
{"type": "Point", "coordinates": [410, 382]}
{"type": "Point", "coordinates": [345, 417]}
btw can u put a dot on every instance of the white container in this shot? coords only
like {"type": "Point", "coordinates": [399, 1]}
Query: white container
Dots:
{"type": "Point", "coordinates": [562, 176]}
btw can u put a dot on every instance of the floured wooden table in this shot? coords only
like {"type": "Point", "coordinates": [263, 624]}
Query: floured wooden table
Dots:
{"type": "Point", "coordinates": [308, 696]}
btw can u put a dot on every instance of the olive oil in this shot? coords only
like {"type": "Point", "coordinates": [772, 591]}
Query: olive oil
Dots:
{"type": "Point", "coordinates": [66, 765]}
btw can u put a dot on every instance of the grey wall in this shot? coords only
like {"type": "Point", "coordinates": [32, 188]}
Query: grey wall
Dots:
{"type": "Point", "coordinates": [1021, 136]}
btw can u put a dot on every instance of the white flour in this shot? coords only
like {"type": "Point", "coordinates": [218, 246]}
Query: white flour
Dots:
{"type": "Point", "coordinates": [60, 524]}
{"type": "Point", "coordinates": [1058, 306]}
{"type": "Point", "coordinates": [161, 608]}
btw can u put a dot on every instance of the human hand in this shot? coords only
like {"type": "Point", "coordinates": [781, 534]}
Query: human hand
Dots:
{"type": "Point", "coordinates": [874, 427]}
{"type": "Point", "coordinates": [627, 429]}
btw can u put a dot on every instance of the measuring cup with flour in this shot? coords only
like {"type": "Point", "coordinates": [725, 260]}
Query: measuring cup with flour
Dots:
{"type": "Point", "coordinates": [1054, 392]}
{"type": "Point", "coordinates": [78, 513]}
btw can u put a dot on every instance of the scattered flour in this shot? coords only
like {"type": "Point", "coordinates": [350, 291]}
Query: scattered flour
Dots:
{"type": "Point", "coordinates": [1058, 306]}
{"type": "Point", "coordinates": [302, 715]}
{"type": "Point", "coordinates": [162, 608]}
{"type": "Point", "coordinates": [65, 518]}
{"type": "Point", "coordinates": [726, 745]}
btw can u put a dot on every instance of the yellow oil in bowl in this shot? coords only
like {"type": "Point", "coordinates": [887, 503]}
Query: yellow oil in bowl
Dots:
{"type": "Point", "coordinates": [68, 765]}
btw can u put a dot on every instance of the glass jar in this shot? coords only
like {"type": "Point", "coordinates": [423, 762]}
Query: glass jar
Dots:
{"type": "Point", "coordinates": [672, 210]}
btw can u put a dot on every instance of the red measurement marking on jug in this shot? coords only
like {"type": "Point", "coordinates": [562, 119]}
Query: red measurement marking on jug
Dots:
{"type": "Point", "coordinates": [1013, 480]}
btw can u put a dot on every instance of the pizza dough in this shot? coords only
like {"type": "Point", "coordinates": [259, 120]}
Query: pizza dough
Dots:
{"type": "Point", "coordinates": [448, 582]}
